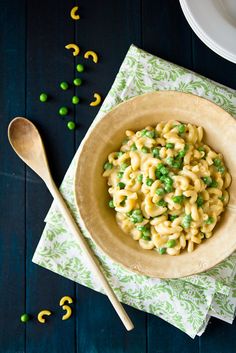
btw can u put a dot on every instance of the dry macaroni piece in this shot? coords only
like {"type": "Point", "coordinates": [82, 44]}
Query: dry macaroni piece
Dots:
{"type": "Point", "coordinates": [73, 13]}
{"type": "Point", "coordinates": [68, 313]}
{"type": "Point", "coordinates": [75, 48]}
{"type": "Point", "coordinates": [41, 315]}
{"type": "Point", "coordinates": [65, 299]}
{"type": "Point", "coordinates": [97, 100]}
{"type": "Point", "coordinates": [92, 54]}
{"type": "Point", "coordinates": [167, 186]}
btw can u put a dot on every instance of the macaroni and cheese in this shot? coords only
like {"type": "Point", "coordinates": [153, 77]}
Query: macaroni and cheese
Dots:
{"type": "Point", "coordinates": [167, 186]}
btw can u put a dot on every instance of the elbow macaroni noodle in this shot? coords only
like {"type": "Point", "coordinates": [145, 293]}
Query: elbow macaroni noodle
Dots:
{"type": "Point", "coordinates": [167, 187]}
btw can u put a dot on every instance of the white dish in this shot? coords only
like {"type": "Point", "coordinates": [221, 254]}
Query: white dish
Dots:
{"type": "Point", "coordinates": [214, 22]}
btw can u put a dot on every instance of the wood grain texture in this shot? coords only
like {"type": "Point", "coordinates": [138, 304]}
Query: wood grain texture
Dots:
{"type": "Point", "coordinates": [12, 180]}
{"type": "Point", "coordinates": [208, 63]}
{"type": "Point", "coordinates": [165, 32]}
{"type": "Point", "coordinates": [33, 59]}
{"type": "Point", "coordinates": [49, 29]}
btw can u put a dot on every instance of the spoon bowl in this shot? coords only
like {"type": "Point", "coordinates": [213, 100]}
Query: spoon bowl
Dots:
{"type": "Point", "coordinates": [27, 143]}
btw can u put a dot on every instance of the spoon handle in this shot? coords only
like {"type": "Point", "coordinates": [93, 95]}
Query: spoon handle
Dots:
{"type": "Point", "coordinates": [74, 229]}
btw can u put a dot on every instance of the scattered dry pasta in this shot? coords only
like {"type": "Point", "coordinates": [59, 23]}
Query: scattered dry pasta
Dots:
{"type": "Point", "coordinates": [167, 187]}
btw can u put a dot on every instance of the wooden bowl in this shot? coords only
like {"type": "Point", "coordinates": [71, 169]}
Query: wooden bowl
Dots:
{"type": "Point", "coordinates": [92, 196]}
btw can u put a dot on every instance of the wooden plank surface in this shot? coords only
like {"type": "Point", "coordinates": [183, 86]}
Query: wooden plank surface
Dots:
{"type": "Point", "coordinates": [12, 179]}
{"type": "Point", "coordinates": [33, 37]}
{"type": "Point", "coordinates": [49, 29]}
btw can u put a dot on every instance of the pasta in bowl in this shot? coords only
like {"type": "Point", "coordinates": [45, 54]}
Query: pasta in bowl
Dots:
{"type": "Point", "coordinates": [199, 193]}
{"type": "Point", "coordinates": [167, 186]}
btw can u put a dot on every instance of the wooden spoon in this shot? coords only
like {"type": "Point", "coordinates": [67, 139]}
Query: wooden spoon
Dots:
{"type": "Point", "coordinates": [27, 143]}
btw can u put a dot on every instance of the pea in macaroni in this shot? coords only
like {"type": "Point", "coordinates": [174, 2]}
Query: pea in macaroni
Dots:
{"type": "Point", "coordinates": [167, 187]}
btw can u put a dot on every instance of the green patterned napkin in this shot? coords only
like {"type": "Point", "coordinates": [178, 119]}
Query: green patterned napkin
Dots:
{"type": "Point", "coordinates": [186, 303]}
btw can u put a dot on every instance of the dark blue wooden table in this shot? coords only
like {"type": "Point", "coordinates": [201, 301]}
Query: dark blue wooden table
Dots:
{"type": "Point", "coordinates": [33, 59]}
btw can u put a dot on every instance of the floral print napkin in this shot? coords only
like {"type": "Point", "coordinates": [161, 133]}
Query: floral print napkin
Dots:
{"type": "Point", "coordinates": [186, 303]}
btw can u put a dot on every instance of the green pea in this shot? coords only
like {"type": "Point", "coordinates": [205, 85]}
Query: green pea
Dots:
{"type": "Point", "coordinates": [111, 204]}
{"type": "Point", "coordinates": [123, 167]}
{"type": "Point", "coordinates": [201, 149]}
{"type": "Point", "coordinates": [145, 237]}
{"type": "Point", "coordinates": [186, 147]}
{"type": "Point", "coordinates": [170, 161]}
{"type": "Point", "coordinates": [43, 97]}
{"type": "Point", "coordinates": [150, 134]}
{"type": "Point", "coordinates": [173, 217]}
{"type": "Point", "coordinates": [186, 221]}
{"type": "Point", "coordinates": [146, 232]}
{"type": "Point", "coordinates": [209, 220]}
{"type": "Point", "coordinates": [80, 68]}
{"type": "Point", "coordinates": [159, 166]}
{"type": "Point", "coordinates": [133, 219]}
{"type": "Point", "coordinates": [77, 81]}
{"type": "Point", "coordinates": [120, 175]}
{"type": "Point", "coordinates": [181, 128]}
{"type": "Point", "coordinates": [133, 147]}
{"type": "Point", "coordinates": [207, 180]}
{"type": "Point", "coordinates": [217, 162]}
{"type": "Point", "coordinates": [168, 180]}
{"type": "Point", "coordinates": [140, 178]}
{"type": "Point", "coordinates": [164, 171]}
{"type": "Point", "coordinates": [144, 149]}
{"type": "Point", "coordinates": [168, 188]}
{"type": "Point", "coordinates": [158, 174]}
{"type": "Point", "coordinates": [71, 125]}
{"type": "Point", "coordinates": [155, 152]}
{"type": "Point", "coordinates": [183, 152]}
{"type": "Point", "coordinates": [160, 191]}
{"type": "Point", "coordinates": [63, 111]}
{"type": "Point", "coordinates": [178, 199]}
{"type": "Point", "coordinates": [162, 251]}
{"type": "Point", "coordinates": [24, 317]}
{"type": "Point", "coordinates": [200, 201]}
{"type": "Point", "coordinates": [143, 132]}
{"type": "Point", "coordinates": [163, 178]}
{"type": "Point", "coordinates": [75, 100]}
{"type": "Point", "coordinates": [221, 169]}
{"type": "Point", "coordinates": [141, 228]}
{"type": "Point", "coordinates": [177, 164]}
{"type": "Point", "coordinates": [213, 184]}
{"type": "Point", "coordinates": [136, 219]}
{"type": "Point", "coordinates": [162, 203]}
{"type": "Point", "coordinates": [219, 165]}
{"type": "Point", "coordinates": [171, 243]}
{"type": "Point", "coordinates": [121, 185]}
{"type": "Point", "coordinates": [107, 166]}
{"type": "Point", "coordinates": [136, 212]}
{"type": "Point", "coordinates": [119, 154]}
{"type": "Point", "coordinates": [170, 146]}
{"type": "Point", "coordinates": [64, 85]}
{"type": "Point", "coordinates": [149, 181]}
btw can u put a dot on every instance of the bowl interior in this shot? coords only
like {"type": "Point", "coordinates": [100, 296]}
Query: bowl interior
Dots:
{"type": "Point", "coordinates": [91, 189]}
